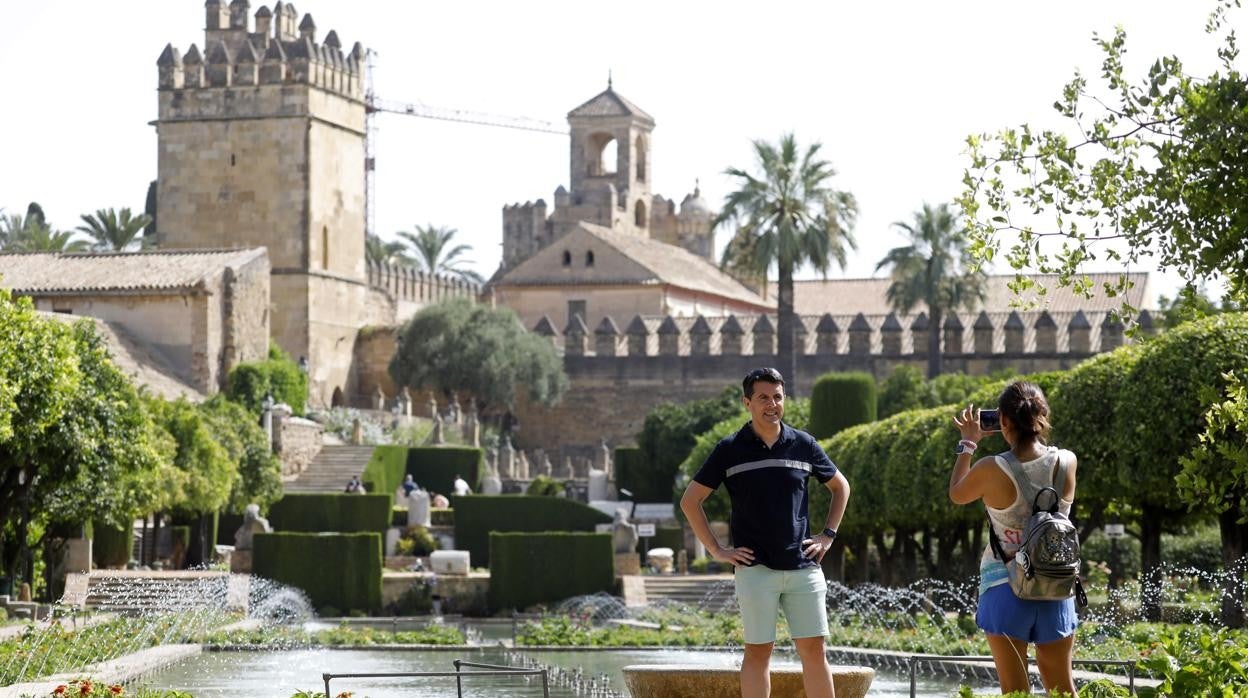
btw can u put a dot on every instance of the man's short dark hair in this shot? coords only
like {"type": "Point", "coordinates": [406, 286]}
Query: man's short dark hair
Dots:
{"type": "Point", "coordinates": [765, 375]}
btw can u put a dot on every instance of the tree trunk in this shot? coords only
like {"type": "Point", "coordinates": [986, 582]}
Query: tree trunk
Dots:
{"type": "Point", "coordinates": [1234, 541]}
{"type": "Point", "coordinates": [1150, 563]}
{"type": "Point", "coordinates": [945, 548]}
{"type": "Point", "coordinates": [786, 355]}
{"type": "Point", "coordinates": [861, 571]}
{"type": "Point", "coordinates": [933, 344]}
{"type": "Point", "coordinates": [834, 562]}
{"type": "Point", "coordinates": [909, 559]}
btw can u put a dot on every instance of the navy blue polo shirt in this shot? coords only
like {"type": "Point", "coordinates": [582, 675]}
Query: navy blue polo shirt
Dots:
{"type": "Point", "coordinates": [767, 487]}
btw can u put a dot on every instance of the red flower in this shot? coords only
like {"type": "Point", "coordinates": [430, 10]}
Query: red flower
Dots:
{"type": "Point", "coordinates": [60, 690]}
{"type": "Point", "coordinates": [115, 689]}
{"type": "Point", "coordinates": [84, 688]}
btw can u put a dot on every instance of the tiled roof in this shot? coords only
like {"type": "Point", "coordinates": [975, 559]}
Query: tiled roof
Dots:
{"type": "Point", "coordinates": [869, 296]}
{"type": "Point", "coordinates": [144, 365]}
{"type": "Point", "coordinates": [653, 262]}
{"type": "Point", "coordinates": [608, 103]}
{"type": "Point", "coordinates": [118, 272]}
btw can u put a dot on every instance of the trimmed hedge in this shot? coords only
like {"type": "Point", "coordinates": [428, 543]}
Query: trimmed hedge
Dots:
{"type": "Point", "coordinates": [631, 473]}
{"type": "Point", "coordinates": [249, 382]}
{"type": "Point", "coordinates": [339, 570]}
{"type": "Point", "coordinates": [477, 516]}
{"type": "Point", "coordinates": [433, 468]}
{"type": "Point", "coordinates": [532, 568]}
{"type": "Point", "coordinates": [317, 512]}
{"type": "Point", "coordinates": [840, 400]}
{"type": "Point", "coordinates": [668, 537]}
{"type": "Point", "coordinates": [111, 547]}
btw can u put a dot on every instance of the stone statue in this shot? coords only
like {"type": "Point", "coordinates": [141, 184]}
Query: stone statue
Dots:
{"type": "Point", "coordinates": [509, 459]}
{"type": "Point", "coordinates": [491, 483]}
{"type": "Point", "coordinates": [623, 534]}
{"type": "Point", "coordinates": [433, 406]}
{"type": "Point", "coordinates": [253, 523]}
{"type": "Point", "coordinates": [418, 513]}
{"type": "Point", "coordinates": [453, 409]}
{"type": "Point", "coordinates": [380, 399]}
{"type": "Point", "coordinates": [438, 439]}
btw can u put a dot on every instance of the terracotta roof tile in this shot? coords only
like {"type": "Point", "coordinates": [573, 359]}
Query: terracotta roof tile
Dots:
{"type": "Point", "coordinates": [47, 273]}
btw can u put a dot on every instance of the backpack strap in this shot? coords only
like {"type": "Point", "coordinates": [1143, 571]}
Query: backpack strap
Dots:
{"type": "Point", "coordinates": [1059, 483]}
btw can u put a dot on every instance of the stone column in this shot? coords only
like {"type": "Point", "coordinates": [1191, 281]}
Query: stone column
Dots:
{"type": "Point", "coordinates": [472, 427]}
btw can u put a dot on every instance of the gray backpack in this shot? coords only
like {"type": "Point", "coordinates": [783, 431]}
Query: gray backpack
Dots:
{"type": "Point", "coordinates": [1046, 566]}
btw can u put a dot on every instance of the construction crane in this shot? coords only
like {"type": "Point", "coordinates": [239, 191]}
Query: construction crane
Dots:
{"type": "Point", "coordinates": [373, 106]}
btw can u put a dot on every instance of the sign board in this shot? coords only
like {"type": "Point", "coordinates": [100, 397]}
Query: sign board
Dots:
{"type": "Point", "coordinates": [1115, 530]}
{"type": "Point", "coordinates": [654, 512]}
{"type": "Point", "coordinates": [645, 530]}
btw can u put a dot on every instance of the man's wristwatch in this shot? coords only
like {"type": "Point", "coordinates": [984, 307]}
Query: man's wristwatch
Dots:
{"type": "Point", "coordinates": [830, 533]}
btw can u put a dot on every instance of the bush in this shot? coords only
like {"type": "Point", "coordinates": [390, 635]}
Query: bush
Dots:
{"type": "Point", "coordinates": [840, 400]}
{"type": "Point", "coordinates": [249, 382]}
{"type": "Point", "coordinates": [531, 568]}
{"type": "Point", "coordinates": [630, 471]}
{"type": "Point", "coordinates": [1096, 548]}
{"type": "Point", "coordinates": [668, 537]}
{"type": "Point", "coordinates": [544, 486]}
{"type": "Point", "coordinates": [1201, 549]}
{"type": "Point", "coordinates": [338, 512]}
{"type": "Point", "coordinates": [417, 540]}
{"type": "Point", "coordinates": [476, 516]}
{"type": "Point", "coordinates": [342, 570]}
{"type": "Point", "coordinates": [667, 436]}
{"type": "Point", "coordinates": [433, 468]}
{"type": "Point", "coordinates": [111, 547]}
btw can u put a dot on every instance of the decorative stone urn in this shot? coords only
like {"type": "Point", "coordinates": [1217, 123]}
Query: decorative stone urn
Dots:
{"type": "Point", "coordinates": [703, 681]}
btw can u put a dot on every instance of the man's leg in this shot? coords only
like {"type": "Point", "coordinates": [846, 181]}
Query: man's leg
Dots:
{"type": "Point", "coordinates": [816, 676]}
{"type": "Point", "coordinates": [756, 671]}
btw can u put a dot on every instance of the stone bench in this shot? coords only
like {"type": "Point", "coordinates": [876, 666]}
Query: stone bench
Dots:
{"type": "Point", "coordinates": [683, 680]}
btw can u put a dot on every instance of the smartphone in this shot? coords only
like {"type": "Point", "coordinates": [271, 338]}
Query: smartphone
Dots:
{"type": "Point", "coordinates": [990, 420]}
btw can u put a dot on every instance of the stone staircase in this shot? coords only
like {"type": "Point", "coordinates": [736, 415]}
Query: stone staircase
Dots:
{"type": "Point", "coordinates": [331, 469]}
{"type": "Point", "coordinates": [130, 592]}
{"type": "Point", "coordinates": [709, 591]}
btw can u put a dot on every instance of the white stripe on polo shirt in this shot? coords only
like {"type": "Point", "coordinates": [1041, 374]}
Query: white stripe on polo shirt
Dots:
{"type": "Point", "coordinates": [769, 463]}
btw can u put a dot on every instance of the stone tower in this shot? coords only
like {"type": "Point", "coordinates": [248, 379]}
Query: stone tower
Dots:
{"type": "Point", "coordinates": [261, 143]}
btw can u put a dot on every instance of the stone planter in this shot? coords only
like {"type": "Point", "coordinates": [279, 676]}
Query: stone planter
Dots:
{"type": "Point", "coordinates": [683, 680]}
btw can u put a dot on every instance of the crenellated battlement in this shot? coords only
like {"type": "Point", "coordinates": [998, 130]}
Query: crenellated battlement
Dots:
{"type": "Point", "coordinates": [238, 54]}
{"type": "Point", "coordinates": [409, 284]}
{"type": "Point", "coordinates": [984, 335]}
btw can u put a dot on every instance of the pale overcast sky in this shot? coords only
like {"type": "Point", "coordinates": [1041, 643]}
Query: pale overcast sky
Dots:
{"type": "Point", "coordinates": [890, 89]}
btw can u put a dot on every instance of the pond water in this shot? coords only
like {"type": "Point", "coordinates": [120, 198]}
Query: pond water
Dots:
{"type": "Point", "coordinates": [278, 674]}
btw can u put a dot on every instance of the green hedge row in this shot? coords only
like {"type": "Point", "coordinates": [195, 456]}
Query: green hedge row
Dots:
{"type": "Point", "coordinates": [339, 512]}
{"type": "Point", "coordinates": [111, 547]}
{"type": "Point", "coordinates": [477, 516]}
{"type": "Point", "coordinates": [279, 376]}
{"type": "Point", "coordinates": [433, 468]}
{"type": "Point", "coordinates": [840, 400]}
{"type": "Point", "coordinates": [632, 474]}
{"type": "Point", "coordinates": [338, 570]}
{"type": "Point", "coordinates": [533, 568]}
{"type": "Point", "coordinates": [668, 537]}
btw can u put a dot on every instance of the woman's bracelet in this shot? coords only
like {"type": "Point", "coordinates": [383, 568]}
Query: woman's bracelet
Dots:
{"type": "Point", "coordinates": [966, 446]}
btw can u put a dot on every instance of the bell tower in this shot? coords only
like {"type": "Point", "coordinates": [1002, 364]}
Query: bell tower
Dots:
{"type": "Point", "coordinates": [610, 161]}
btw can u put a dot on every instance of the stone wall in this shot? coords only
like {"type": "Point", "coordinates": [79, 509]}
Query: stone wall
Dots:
{"type": "Point", "coordinates": [296, 442]}
{"type": "Point", "coordinates": [245, 314]}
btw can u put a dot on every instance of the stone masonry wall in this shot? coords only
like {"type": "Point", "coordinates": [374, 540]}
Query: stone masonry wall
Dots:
{"type": "Point", "coordinates": [296, 441]}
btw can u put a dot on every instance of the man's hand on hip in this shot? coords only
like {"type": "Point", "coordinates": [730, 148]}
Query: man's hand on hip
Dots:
{"type": "Point", "coordinates": [733, 556]}
{"type": "Point", "coordinates": [816, 547]}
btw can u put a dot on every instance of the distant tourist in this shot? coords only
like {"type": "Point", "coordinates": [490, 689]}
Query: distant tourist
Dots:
{"type": "Point", "coordinates": [765, 467]}
{"type": "Point", "coordinates": [440, 501]}
{"type": "Point", "coordinates": [461, 487]}
{"type": "Point", "coordinates": [354, 486]}
{"type": "Point", "coordinates": [409, 485]}
{"type": "Point", "coordinates": [1009, 484]}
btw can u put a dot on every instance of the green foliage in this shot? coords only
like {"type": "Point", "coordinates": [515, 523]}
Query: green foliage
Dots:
{"type": "Point", "coordinates": [544, 486]}
{"type": "Point", "coordinates": [433, 467]}
{"type": "Point", "coordinates": [841, 400]}
{"type": "Point", "coordinates": [432, 252]}
{"type": "Point", "coordinates": [335, 512]}
{"type": "Point", "coordinates": [667, 436]}
{"type": "Point", "coordinates": [339, 569]}
{"type": "Point", "coordinates": [476, 516]}
{"type": "Point", "coordinates": [903, 389]}
{"type": "Point", "coordinates": [675, 629]}
{"type": "Point", "coordinates": [259, 470]}
{"type": "Point", "coordinates": [278, 375]}
{"type": "Point", "coordinates": [473, 349]}
{"type": "Point", "coordinates": [1204, 663]}
{"type": "Point", "coordinates": [111, 546]}
{"type": "Point", "coordinates": [1215, 474]}
{"type": "Point", "coordinates": [1145, 161]}
{"type": "Point", "coordinates": [114, 231]}
{"type": "Point", "coordinates": [1191, 304]}
{"type": "Point", "coordinates": [288, 636]}
{"type": "Point", "coordinates": [668, 537]}
{"type": "Point", "coordinates": [207, 472]}
{"type": "Point", "coordinates": [531, 568]}
{"type": "Point", "coordinates": [417, 540]}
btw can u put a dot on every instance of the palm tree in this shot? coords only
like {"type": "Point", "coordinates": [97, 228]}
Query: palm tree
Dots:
{"type": "Point", "coordinates": [935, 269]}
{"type": "Point", "coordinates": [378, 251]}
{"type": "Point", "coordinates": [115, 231]}
{"type": "Point", "coordinates": [786, 216]}
{"type": "Point", "coordinates": [429, 245]}
{"type": "Point", "coordinates": [30, 233]}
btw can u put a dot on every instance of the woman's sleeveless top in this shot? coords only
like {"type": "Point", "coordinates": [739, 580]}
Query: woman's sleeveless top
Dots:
{"type": "Point", "coordinates": [1010, 521]}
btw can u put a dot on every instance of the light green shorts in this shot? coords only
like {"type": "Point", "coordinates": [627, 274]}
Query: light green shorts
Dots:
{"type": "Point", "coordinates": [762, 592]}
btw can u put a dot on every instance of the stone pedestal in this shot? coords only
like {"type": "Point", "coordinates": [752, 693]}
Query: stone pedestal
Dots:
{"type": "Point", "coordinates": [418, 512]}
{"type": "Point", "coordinates": [683, 680]}
{"type": "Point", "coordinates": [240, 562]}
{"type": "Point", "coordinates": [627, 563]}
{"type": "Point", "coordinates": [597, 485]}
{"type": "Point", "coordinates": [78, 555]}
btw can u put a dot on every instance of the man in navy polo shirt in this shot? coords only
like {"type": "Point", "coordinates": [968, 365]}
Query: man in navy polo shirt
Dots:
{"type": "Point", "coordinates": [765, 467]}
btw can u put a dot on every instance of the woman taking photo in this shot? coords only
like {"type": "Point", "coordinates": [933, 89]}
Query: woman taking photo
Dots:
{"type": "Point", "coordinates": [1012, 623]}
